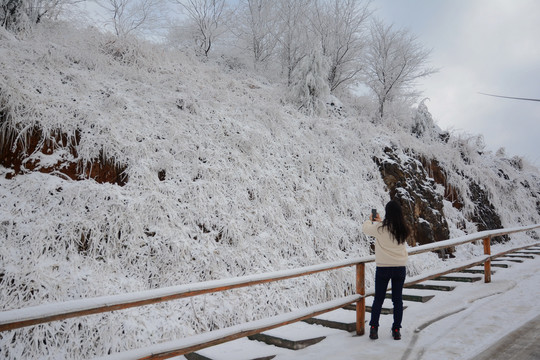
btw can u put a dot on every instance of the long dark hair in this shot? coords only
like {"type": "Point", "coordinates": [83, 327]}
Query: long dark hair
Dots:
{"type": "Point", "coordinates": [394, 222]}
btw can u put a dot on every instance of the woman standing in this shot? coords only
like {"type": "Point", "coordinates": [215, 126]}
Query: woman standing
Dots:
{"type": "Point", "coordinates": [391, 257]}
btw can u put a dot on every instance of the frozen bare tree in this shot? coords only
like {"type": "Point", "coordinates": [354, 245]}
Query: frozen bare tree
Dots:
{"type": "Point", "coordinates": [293, 33]}
{"type": "Point", "coordinates": [340, 26]}
{"type": "Point", "coordinates": [256, 29]}
{"type": "Point", "coordinates": [130, 16]}
{"type": "Point", "coordinates": [38, 9]}
{"type": "Point", "coordinates": [12, 14]}
{"type": "Point", "coordinates": [208, 18]}
{"type": "Point", "coordinates": [394, 61]}
{"type": "Point", "coordinates": [18, 14]}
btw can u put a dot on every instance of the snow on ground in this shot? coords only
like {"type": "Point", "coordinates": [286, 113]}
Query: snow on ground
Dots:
{"type": "Point", "coordinates": [453, 325]}
{"type": "Point", "coordinates": [252, 185]}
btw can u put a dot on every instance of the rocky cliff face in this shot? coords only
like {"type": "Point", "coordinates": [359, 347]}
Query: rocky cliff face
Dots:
{"type": "Point", "coordinates": [408, 182]}
{"type": "Point", "coordinates": [414, 180]}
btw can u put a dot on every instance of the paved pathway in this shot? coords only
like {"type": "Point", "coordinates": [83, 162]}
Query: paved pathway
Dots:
{"type": "Point", "coordinates": [522, 344]}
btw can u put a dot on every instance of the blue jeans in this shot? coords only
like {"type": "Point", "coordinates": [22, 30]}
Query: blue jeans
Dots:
{"type": "Point", "coordinates": [383, 275]}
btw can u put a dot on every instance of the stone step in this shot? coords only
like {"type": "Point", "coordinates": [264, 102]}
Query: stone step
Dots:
{"type": "Point", "coordinates": [432, 286]}
{"type": "Point", "coordinates": [349, 326]}
{"type": "Point", "coordinates": [475, 271]}
{"type": "Point", "coordinates": [236, 349]}
{"type": "Point", "coordinates": [415, 298]}
{"type": "Point", "coordinates": [286, 343]}
{"type": "Point", "coordinates": [384, 311]}
{"type": "Point", "coordinates": [518, 256]}
{"type": "Point", "coordinates": [345, 318]}
{"type": "Point", "coordinates": [340, 319]}
{"type": "Point", "coordinates": [507, 259]}
{"type": "Point", "coordinates": [197, 356]}
{"type": "Point", "coordinates": [295, 336]}
{"type": "Point", "coordinates": [459, 278]}
{"type": "Point", "coordinates": [501, 265]}
{"type": "Point", "coordinates": [528, 252]}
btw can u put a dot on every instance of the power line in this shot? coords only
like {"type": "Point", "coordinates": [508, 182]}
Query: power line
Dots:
{"type": "Point", "coordinates": [510, 97]}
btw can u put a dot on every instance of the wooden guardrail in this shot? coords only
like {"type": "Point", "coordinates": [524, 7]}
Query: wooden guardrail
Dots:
{"type": "Point", "coordinates": [14, 319]}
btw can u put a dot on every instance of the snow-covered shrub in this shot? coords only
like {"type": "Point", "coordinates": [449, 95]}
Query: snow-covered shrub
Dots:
{"type": "Point", "coordinates": [309, 84]}
{"type": "Point", "coordinates": [423, 123]}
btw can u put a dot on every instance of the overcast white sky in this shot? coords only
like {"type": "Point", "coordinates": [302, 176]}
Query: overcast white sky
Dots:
{"type": "Point", "coordinates": [489, 46]}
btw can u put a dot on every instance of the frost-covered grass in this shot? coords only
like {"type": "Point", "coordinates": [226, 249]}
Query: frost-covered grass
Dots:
{"type": "Point", "coordinates": [251, 185]}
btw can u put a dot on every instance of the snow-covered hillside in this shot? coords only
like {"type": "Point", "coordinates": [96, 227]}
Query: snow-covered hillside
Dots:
{"type": "Point", "coordinates": [222, 176]}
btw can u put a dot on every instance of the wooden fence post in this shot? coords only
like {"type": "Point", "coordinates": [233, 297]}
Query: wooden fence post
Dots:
{"type": "Point", "coordinates": [360, 304]}
{"type": "Point", "coordinates": [487, 263]}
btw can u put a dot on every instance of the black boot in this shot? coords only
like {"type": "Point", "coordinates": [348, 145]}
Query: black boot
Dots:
{"type": "Point", "coordinates": [396, 334]}
{"type": "Point", "coordinates": [373, 332]}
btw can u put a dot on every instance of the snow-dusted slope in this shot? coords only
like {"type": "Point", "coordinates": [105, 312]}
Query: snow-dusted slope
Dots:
{"type": "Point", "coordinates": [225, 178]}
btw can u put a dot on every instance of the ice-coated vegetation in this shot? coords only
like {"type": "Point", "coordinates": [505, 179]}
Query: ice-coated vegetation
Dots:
{"type": "Point", "coordinates": [226, 177]}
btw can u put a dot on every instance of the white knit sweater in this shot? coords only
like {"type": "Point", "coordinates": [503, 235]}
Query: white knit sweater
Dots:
{"type": "Point", "coordinates": [387, 250]}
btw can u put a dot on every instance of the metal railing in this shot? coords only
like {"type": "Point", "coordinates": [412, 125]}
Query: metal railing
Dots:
{"type": "Point", "coordinates": [14, 319]}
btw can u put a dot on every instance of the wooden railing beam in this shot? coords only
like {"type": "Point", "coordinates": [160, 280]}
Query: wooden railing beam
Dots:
{"type": "Point", "coordinates": [417, 280]}
{"type": "Point", "coordinates": [360, 304]}
{"type": "Point", "coordinates": [14, 319]}
{"type": "Point", "coordinates": [487, 264]}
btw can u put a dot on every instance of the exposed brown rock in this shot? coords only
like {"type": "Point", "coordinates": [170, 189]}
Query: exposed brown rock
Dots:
{"type": "Point", "coordinates": [408, 182]}
{"type": "Point", "coordinates": [485, 216]}
{"type": "Point", "coordinates": [439, 175]}
{"type": "Point", "coordinates": [16, 152]}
